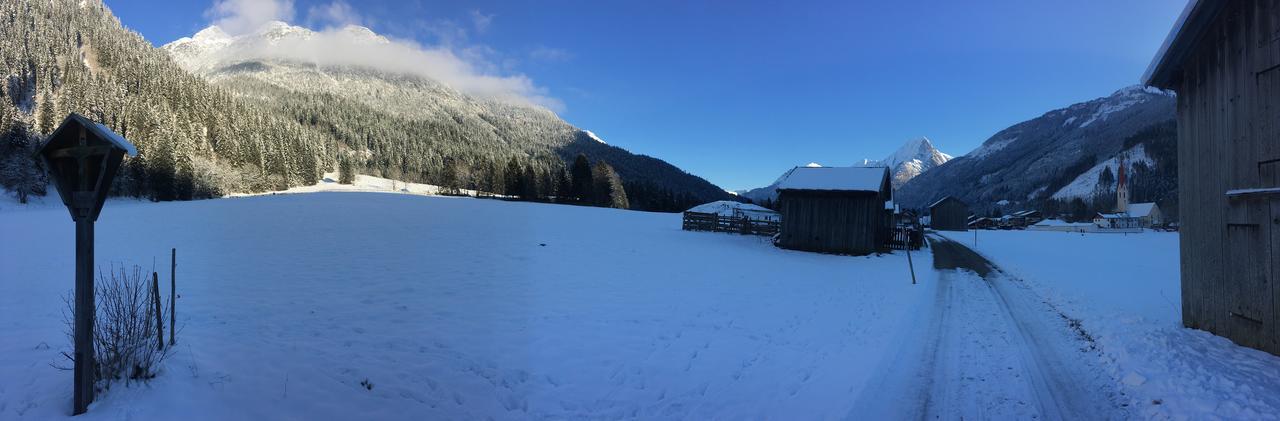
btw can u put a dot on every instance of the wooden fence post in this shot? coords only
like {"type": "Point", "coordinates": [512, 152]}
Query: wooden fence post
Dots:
{"type": "Point", "coordinates": [173, 292]}
{"type": "Point", "coordinates": [911, 265]}
{"type": "Point", "coordinates": [155, 296]}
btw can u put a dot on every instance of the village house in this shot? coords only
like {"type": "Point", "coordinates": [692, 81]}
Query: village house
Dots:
{"type": "Point", "coordinates": [1116, 221]}
{"type": "Point", "coordinates": [841, 210]}
{"type": "Point", "coordinates": [1223, 60]}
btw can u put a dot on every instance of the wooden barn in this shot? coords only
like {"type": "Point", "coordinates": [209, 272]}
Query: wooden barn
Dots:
{"type": "Point", "coordinates": [949, 214]}
{"type": "Point", "coordinates": [1223, 60]}
{"type": "Point", "coordinates": [835, 210]}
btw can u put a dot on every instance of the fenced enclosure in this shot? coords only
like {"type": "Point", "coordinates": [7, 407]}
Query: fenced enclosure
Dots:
{"type": "Point", "coordinates": [738, 223]}
{"type": "Point", "coordinates": [906, 238]}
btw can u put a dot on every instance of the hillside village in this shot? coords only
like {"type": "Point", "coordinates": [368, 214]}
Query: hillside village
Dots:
{"type": "Point", "coordinates": [347, 240]}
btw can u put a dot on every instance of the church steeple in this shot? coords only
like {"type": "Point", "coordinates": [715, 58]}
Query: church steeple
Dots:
{"type": "Point", "coordinates": [1122, 190]}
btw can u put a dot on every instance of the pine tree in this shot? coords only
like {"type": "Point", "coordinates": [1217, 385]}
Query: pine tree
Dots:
{"type": "Point", "coordinates": [514, 178]}
{"type": "Point", "coordinates": [47, 115]}
{"type": "Point", "coordinates": [346, 170]}
{"type": "Point", "coordinates": [583, 186]}
{"type": "Point", "coordinates": [608, 187]}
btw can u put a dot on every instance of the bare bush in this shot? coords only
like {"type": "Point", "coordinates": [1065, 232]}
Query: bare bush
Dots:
{"type": "Point", "coordinates": [124, 338]}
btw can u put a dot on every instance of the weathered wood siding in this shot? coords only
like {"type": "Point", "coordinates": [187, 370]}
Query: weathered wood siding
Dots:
{"type": "Point", "coordinates": [1229, 138]}
{"type": "Point", "coordinates": [949, 215]}
{"type": "Point", "coordinates": [846, 223]}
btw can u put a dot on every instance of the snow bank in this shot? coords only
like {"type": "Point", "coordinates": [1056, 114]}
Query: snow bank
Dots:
{"type": "Point", "coordinates": [457, 308]}
{"type": "Point", "coordinates": [1126, 290]}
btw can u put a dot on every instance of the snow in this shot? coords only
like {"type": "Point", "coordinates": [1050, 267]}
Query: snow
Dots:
{"type": "Point", "coordinates": [728, 208]}
{"type": "Point", "coordinates": [363, 183]}
{"type": "Point", "coordinates": [992, 147]}
{"type": "Point", "coordinates": [1086, 184]}
{"type": "Point", "coordinates": [913, 158]}
{"type": "Point", "coordinates": [593, 136]}
{"type": "Point", "coordinates": [1248, 192]}
{"type": "Point", "coordinates": [458, 308]}
{"type": "Point", "coordinates": [813, 165]}
{"type": "Point", "coordinates": [1139, 210]}
{"type": "Point", "coordinates": [1126, 290]}
{"type": "Point", "coordinates": [834, 179]}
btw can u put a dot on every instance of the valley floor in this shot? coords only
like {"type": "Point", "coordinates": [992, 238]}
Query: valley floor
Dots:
{"type": "Point", "coordinates": [456, 308]}
{"type": "Point", "coordinates": [460, 308]}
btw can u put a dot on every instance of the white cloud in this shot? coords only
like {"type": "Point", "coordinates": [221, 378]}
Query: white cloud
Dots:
{"type": "Point", "coordinates": [473, 69]}
{"type": "Point", "coordinates": [242, 16]}
{"type": "Point", "coordinates": [481, 21]}
{"type": "Point", "coordinates": [334, 15]}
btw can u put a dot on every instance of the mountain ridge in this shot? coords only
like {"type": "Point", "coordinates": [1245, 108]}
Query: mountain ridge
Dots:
{"type": "Point", "coordinates": [1028, 163]}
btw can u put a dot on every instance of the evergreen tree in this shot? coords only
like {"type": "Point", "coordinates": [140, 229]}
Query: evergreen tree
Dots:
{"type": "Point", "coordinates": [346, 170]}
{"type": "Point", "coordinates": [608, 187]}
{"type": "Point", "coordinates": [583, 186]}
{"type": "Point", "coordinates": [48, 119]}
{"type": "Point", "coordinates": [514, 175]}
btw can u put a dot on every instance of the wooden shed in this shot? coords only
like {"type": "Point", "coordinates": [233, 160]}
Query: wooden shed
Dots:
{"type": "Point", "coordinates": [1223, 59]}
{"type": "Point", "coordinates": [949, 214]}
{"type": "Point", "coordinates": [835, 210]}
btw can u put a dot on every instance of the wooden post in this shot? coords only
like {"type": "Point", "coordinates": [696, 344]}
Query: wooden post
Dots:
{"type": "Point", "coordinates": [85, 368]}
{"type": "Point", "coordinates": [910, 265]}
{"type": "Point", "coordinates": [155, 296]}
{"type": "Point", "coordinates": [173, 292]}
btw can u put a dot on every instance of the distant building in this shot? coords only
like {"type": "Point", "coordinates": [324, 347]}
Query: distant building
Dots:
{"type": "Point", "coordinates": [1148, 213]}
{"type": "Point", "coordinates": [835, 210]}
{"type": "Point", "coordinates": [1116, 221]}
{"type": "Point", "coordinates": [980, 223]}
{"type": "Point", "coordinates": [1223, 59]}
{"type": "Point", "coordinates": [949, 214]}
{"type": "Point", "coordinates": [1029, 217]}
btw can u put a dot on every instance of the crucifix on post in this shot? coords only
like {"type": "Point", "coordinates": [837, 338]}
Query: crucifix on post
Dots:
{"type": "Point", "coordinates": [82, 158]}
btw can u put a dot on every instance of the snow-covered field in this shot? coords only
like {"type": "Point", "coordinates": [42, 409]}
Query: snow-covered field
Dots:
{"type": "Point", "coordinates": [457, 308]}
{"type": "Point", "coordinates": [1125, 289]}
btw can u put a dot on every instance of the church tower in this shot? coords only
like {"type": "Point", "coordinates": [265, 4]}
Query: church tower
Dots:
{"type": "Point", "coordinates": [1122, 190]}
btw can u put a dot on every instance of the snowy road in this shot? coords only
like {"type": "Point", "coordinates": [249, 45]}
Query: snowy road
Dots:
{"type": "Point", "coordinates": [988, 347]}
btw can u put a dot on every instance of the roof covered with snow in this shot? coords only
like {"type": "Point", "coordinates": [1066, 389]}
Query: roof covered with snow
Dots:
{"type": "Point", "coordinates": [727, 208]}
{"type": "Point", "coordinates": [1167, 64]}
{"type": "Point", "coordinates": [96, 129]}
{"type": "Point", "coordinates": [945, 198]}
{"type": "Point", "coordinates": [1141, 209]}
{"type": "Point", "coordinates": [836, 179]}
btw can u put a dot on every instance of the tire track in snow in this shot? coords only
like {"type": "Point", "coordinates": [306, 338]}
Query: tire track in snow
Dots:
{"type": "Point", "coordinates": [987, 347]}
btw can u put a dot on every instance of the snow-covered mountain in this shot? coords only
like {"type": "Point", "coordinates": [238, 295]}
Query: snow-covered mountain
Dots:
{"type": "Point", "coordinates": [1060, 155]}
{"type": "Point", "coordinates": [915, 157]}
{"type": "Point", "coordinates": [423, 104]}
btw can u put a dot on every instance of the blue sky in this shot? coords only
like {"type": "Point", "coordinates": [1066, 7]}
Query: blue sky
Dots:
{"type": "Point", "coordinates": [737, 92]}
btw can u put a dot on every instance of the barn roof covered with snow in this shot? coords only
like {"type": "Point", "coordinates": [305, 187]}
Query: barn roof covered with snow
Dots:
{"type": "Point", "coordinates": [728, 208]}
{"type": "Point", "coordinates": [1166, 68]}
{"type": "Point", "coordinates": [1140, 210]}
{"type": "Point", "coordinates": [837, 179]}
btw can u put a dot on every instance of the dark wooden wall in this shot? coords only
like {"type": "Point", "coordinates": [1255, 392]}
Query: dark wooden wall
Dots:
{"type": "Point", "coordinates": [846, 223]}
{"type": "Point", "coordinates": [949, 215]}
{"type": "Point", "coordinates": [1229, 138]}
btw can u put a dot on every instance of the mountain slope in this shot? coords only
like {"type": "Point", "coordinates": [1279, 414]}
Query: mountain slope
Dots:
{"type": "Point", "coordinates": [1028, 163]}
{"type": "Point", "coordinates": [912, 159]}
{"type": "Point", "coordinates": [403, 123]}
{"type": "Point", "coordinates": [194, 139]}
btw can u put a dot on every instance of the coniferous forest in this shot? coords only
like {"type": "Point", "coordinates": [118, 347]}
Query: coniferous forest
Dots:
{"type": "Point", "coordinates": [201, 139]}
